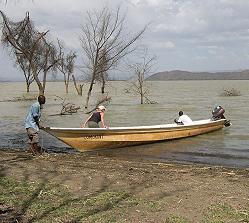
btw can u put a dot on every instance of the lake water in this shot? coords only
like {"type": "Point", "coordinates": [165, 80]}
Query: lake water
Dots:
{"type": "Point", "coordinates": [227, 147]}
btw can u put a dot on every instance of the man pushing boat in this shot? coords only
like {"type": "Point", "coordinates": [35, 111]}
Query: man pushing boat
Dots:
{"type": "Point", "coordinates": [32, 125]}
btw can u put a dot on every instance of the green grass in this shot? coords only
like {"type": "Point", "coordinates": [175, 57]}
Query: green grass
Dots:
{"type": "Point", "coordinates": [46, 202]}
{"type": "Point", "coordinates": [177, 219]}
{"type": "Point", "coordinates": [222, 213]}
{"type": "Point", "coordinates": [42, 202]}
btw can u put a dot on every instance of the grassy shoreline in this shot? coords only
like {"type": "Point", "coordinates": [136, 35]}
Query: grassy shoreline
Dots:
{"type": "Point", "coordinates": [84, 188]}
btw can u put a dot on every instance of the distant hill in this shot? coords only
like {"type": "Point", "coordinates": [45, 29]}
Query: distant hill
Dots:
{"type": "Point", "coordinates": [186, 75]}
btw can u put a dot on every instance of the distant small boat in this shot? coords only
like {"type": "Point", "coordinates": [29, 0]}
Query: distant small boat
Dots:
{"type": "Point", "coordinates": [89, 139]}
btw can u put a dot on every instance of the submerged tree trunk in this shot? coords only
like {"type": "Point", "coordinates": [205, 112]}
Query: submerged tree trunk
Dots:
{"type": "Point", "coordinates": [27, 87]}
{"type": "Point", "coordinates": [79, 88]}
{"type": "Point", "coordinates": [89, 93]}
{"type": "Point", "coordinates": [28, 83]}
{"type": "Point", "coordinates": [66, 88]}
{"type": "Point", "coordinates": [103, 85]}
{"type": "Point", "coordinates": [44, 80]}
{"type": "Point", "coordinates": [67, 83]}
{"type": "Point", "coordinates": [142, 98]}
{"type": "Point", "coordinates": [36, 78]}
{"type": "Point", "coordinates": [92, 83]}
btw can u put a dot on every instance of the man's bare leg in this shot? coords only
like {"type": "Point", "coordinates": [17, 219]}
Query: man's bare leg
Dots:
{"type": "Point", "coordinates": [35, 149]}
{"type": "Point", "coordinates": [31, 149]}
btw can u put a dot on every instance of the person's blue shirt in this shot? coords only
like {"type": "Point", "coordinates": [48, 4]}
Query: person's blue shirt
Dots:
{"type": "Point", "coordinates": [34, 111]}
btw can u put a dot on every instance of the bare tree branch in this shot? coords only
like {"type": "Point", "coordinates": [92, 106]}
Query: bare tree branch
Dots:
{"type": "Point", "coordinates": [104, 44]}
{"type": "Point", "coordinates": [66, 65]}
{"type": "Point", "coordinates": [141, 70]}
{"type": "Point", "coordinates": [25, 42]}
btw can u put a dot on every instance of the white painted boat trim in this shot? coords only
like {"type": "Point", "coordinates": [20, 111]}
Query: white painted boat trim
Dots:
{"type": "Point", "coordinates": [194, 123]}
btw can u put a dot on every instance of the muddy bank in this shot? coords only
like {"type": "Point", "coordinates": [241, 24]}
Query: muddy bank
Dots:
{"type": "Point", "coordinates": [187, 191]}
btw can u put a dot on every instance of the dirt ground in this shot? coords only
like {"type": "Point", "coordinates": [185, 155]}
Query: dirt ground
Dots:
{"type": "Point", "coordinates": [178, 190]}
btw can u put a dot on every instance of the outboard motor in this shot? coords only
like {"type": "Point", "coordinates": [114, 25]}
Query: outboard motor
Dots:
{"type": "Point", "coordinates": [218, 113]}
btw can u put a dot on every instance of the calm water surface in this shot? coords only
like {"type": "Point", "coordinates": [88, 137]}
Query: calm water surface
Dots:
{"type": "Point", "coordinates": [227, 147]}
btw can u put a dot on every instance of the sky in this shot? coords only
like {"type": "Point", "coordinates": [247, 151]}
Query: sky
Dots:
{"type": "Point", "coordinates": [192, 35]}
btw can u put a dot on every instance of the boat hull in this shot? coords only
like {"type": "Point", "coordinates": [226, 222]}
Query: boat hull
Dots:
{"type": "Point", "coordinates": [89, 139]}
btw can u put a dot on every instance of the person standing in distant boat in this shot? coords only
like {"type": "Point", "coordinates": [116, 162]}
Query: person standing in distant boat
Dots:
{"type": "Point", "coordinates": [96, 117]}
{"type": "Point", "coordinates": [32, 125]}
{"type": "Point", "coordinates": [183, 119]}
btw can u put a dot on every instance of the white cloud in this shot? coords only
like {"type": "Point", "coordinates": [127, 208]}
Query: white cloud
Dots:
{"type": "Point", "coordinates": [163, 45]}
{"type": "Point", "coordinates": [179, 30]}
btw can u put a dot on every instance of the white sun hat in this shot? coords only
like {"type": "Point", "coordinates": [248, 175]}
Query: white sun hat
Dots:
{"type": "Point", "coordinates": [101, 107]}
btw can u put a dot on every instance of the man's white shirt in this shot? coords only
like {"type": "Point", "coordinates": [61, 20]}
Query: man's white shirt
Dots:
{"type": "Point", "coordinates": [185, 119]}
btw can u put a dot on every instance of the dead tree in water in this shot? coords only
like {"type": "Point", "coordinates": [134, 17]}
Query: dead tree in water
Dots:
{"type": "Point", "coordinates": [29, 44]}
{"type": "Point", "coordinates": [66, 65]}
{"type": "Point", "coordinates": [230, 92]}
{"type": "Point", "coordinates": [102, 75]}
{"type": "Point", "coordinates": [103, 38]}
{"type": "Point", "coordinates": [49, 59]}
{"type": "Point", "coordinates": [103, 100]}
{"type": "Point", "coordinates": [23, 40]}
{"type": "Point", "coordinates": [22, 62]}
{"type": "Point", "coordinates": [78, 87]}
{"type": "Point", "coordinates": [67, 108]}
{"type": "Point", "coordinates": [141, 70]}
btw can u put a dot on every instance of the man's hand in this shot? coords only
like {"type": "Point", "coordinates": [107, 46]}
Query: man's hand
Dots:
{"type": "Point", "coordinates": [41, 127]}
{"type": "Point", "coordinates": [178, 123]}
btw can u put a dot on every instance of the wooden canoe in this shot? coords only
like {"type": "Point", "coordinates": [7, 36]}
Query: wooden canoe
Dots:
{"type": "Point", "coordinates": [89, 139]}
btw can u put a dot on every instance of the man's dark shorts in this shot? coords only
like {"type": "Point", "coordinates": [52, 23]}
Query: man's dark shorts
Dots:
{"type": "Point", "coordinates": [33, 135]}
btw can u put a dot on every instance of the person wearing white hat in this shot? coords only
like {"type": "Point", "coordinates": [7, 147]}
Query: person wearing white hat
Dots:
{"type": "Point", "coordinates": [96, 117]}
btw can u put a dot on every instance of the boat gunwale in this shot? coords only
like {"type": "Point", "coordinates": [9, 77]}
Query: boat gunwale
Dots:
{"type": "Point", "coordinates": [136, 129]}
